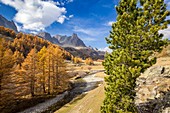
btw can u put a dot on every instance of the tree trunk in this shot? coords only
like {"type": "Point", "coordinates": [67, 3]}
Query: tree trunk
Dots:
{"type": "Point", "coordinates": [49, 76]}
{"type": "Point", "coordinates": [43, 84]}
{"type": "Point", "coordinates": [57, 73]}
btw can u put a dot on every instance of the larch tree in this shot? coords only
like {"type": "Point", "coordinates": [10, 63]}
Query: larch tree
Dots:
{"type": "Point", "coordinates": [6, 69]}
{"type": "Point", "coordinates": [49, 61]}
{"type": "Point", "coordinates": [133, 39]}
{"type": "Point", "coordinates": [59, 66]}
{"type": "Point", "coordinates": [42, 66]}
{"type": "Point", "coordinates": [19, 57]}
{"type": "Point", "coordinates": [30, 67]}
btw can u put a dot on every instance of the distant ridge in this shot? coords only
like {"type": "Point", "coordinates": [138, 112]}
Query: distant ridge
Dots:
{"type": "Point", "coordinates": [64, 41]}
{"type": "Point", "coordinates": [8, 24]}
{"type": "Point", "coordinates": [73, 44]}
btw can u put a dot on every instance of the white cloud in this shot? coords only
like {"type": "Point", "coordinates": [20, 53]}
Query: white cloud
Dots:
{"type": "Point", "coordinates": [166, 32]}
{"type": "Point", "coordinates": [91, 31]}
{"type": "Point", "coordinates": [106, 49]}
{"type": "Point", "coordinates": [63, 2]}
{"type": "Point", "coordinates": [18, 27]}
{"type": "Point", "coordinates": [71, 16]}
{"type": "Point", "coordinates": [89, 39]}
{"type": "Point", "coordinates": [110, 23]}
{"type": "Point", "coordinates": [61, 19]}
{"type": "Point", "coordinates": [37, 14]}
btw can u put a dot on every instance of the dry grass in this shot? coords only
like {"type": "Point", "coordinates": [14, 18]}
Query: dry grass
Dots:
{"type": "Point", "coordinates": [84, 67]}
{"type": "Point", "coordinates": [165, 52]}
{"type": "Point", "coordinates": [101, 74]}
{"type": "Point", "coordinates": [90, 103]}
{"type": "Point", "coordinates": [163, 61]}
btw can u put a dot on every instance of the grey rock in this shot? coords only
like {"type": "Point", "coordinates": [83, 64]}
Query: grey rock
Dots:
{"type": "Point", "coordinates": [48, 37]}
{"type": "Point", "coordinates": [70, 41]}
{"type": "Point", "coordinates": [153, 90]}
{"type": "Point", "coordinates": [64, 41]}
{"type": "Point", "coordinates": [8, 24]}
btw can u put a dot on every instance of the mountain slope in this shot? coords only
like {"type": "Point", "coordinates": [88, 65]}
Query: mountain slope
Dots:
{"type": "Point", "coordinates": [86, 52]}
{"type": "Point", "coordinates": [70, 41]}
{"type": "Point", "coordinates": [48, 37]}
{"type": "Point", "coordinates": [64, 41]}
{"type": "Point", "coordinates": [72, 44]}
{"type": "Point", "coordinates": [8, 24]}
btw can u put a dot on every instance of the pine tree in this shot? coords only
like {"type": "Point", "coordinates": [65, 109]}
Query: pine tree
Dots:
{"type": "Point", "coordinates": [133, 39]}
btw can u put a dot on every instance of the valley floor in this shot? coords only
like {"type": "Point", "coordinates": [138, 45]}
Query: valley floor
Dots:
{"type": "Point", "coordinates": [86, 103]}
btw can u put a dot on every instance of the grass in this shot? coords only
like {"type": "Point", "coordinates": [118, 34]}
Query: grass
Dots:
{"type": "Point", "coordinates": [66, 108]}
{"type": "Point", "coordinates": [86, 103]}
{"type": "Point", "coordinates": [101, 74]}
{"type": "Point", "coordinates": [84, 67]}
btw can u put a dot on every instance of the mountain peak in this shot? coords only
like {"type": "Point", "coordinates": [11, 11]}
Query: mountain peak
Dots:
{"type": "Point", "coordinates": [44, 34]}
{"type": "Point", "coordinates": [75, 35]}
{"type": "Point", "coordinates": [70, 41]}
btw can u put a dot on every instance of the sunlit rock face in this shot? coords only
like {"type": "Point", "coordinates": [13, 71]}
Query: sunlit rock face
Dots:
{"type": "Point", "coordinates": [153, 90]}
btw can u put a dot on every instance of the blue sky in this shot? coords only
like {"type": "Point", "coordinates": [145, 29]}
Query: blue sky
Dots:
{"type": "Point", "coordinates": [90, 19]}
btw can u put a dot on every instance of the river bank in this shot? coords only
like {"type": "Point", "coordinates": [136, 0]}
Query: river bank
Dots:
{"type": "Point", "coordinates": [80, 86]}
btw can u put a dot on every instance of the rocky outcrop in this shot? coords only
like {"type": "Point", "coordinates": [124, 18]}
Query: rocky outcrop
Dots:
{"type": "Point", "coordinates": [46, 36]}
{"type": "Point", "coordinates": [8, 24]}
{"type": "Point", "coordinates": [64, 41]}
{"type": "Point", "coordinates": [153, 90]}
{"type": "Point", "coordinates": [70, 41]}
{"type": "Point", "coordinates": [74, 45]}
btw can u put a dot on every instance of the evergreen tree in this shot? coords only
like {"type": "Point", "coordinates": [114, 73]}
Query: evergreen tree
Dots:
{"type": "Point", "coordinates": [133, 39]}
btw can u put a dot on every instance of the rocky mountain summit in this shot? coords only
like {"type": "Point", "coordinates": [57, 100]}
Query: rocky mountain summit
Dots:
{"type": "Point", "coordinates": [74, 45]}
{"type": "Point", "coordinates": [70, 41]}
{"type": "Point", "coordinates": [64, 41]}
{"type": "Point", "coordinates": [8, 24]}
{"type": "Point", "coordinates": [153, 88]}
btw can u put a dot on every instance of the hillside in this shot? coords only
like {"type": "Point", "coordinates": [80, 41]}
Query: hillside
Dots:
{"type": "Point", "coordinates": [72, 44]}
{"type": "Point", "coordinates": [8, 24]}
{"type": "Point", "coordinates": [32, 70]}
{"type": "Point", "coordinates": [86, 52]}
{"type": "Point", "coordinates": [153, 86]}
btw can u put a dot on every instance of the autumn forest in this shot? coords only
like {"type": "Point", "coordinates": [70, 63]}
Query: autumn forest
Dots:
{"type": "Point", "coordinates": [30, 66]}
